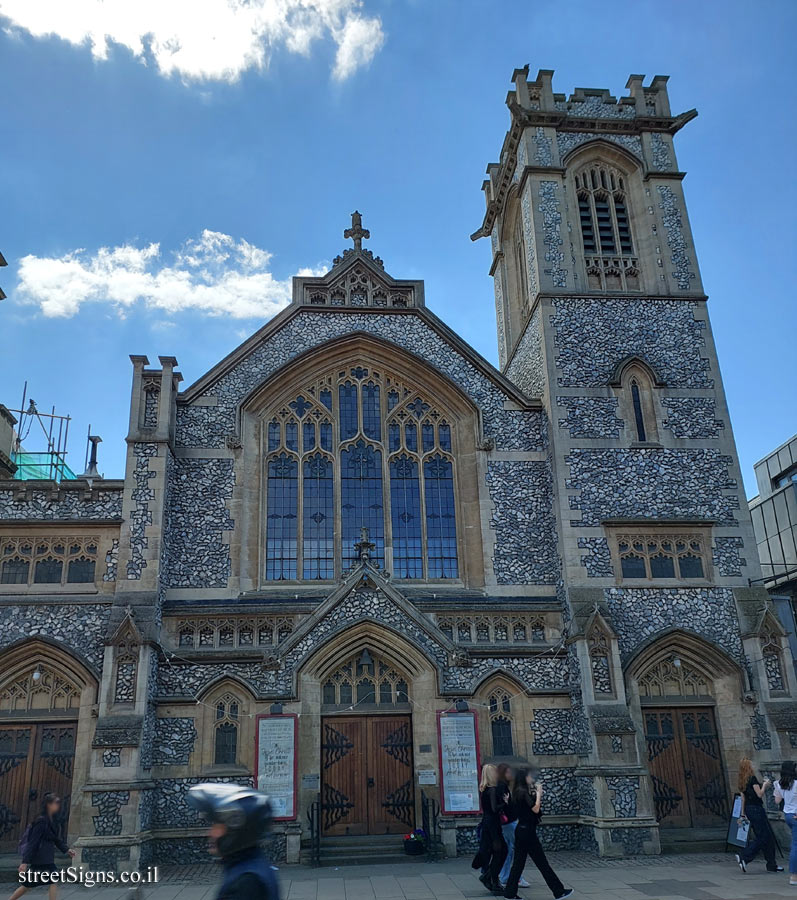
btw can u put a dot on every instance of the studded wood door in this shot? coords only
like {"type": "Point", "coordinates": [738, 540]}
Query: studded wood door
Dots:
{"type": "Point", "coordinates": [34, 759]}
{"type": "Point", "coordinates": [367, 775]}
{"type": "Point", "coordinates": [686, 767]}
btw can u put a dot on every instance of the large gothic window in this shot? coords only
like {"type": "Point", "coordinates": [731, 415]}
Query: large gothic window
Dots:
{"type": "Point", "coordinates": [359, 449]}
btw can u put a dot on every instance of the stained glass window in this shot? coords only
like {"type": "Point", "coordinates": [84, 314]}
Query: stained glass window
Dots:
{"type": "Point", "coordinates": [359, 449]}
{"type": "Point", "coordinates": [281, 544]}
{"type": "Point", "coordinates": [441, 527]}
{"type": "Point", "coordinates": [405, 502]}
{"type": "Point", "coordinates": [361, 501]}
{"type": "Point", "coordinates": [318, 519]}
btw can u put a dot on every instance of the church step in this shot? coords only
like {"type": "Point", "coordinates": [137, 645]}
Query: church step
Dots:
{"type": "Point", "coordinates": [692, 840]}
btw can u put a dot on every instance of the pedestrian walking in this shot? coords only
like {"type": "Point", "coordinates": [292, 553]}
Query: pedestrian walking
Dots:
{"type": "Point", "coordinates": [492, 846]}
{"type": "Point", "coordinates": [527, 801]}
{"type": "Point", "coordinates": [786, 793]}
{"type": "Point", "coordinates": [239, 819]}
{"type": "Point", "coordinates": [506, 776]}
{"type": "Point", "coordinates": [753, 793]}
{"type": "Point", "coordinates": [38, 845]}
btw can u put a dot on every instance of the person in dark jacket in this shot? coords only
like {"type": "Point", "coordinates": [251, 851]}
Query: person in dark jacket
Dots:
{"type": "Point", "coordinates": [753, 793]}
{"type": "Point", "coordinates": [492, 846]}
{"type": "Point", "coordinates": [39, 855]}
{"type": "Point", "coordinates": [239, 819]}
{"type": "Point", "coordinates": [527, 800]}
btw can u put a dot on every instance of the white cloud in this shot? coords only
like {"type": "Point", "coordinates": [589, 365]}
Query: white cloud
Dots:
{"type": "Point", "coordinates": [209, 40]}
{"type": "Point", "coordinates": [214, 274]}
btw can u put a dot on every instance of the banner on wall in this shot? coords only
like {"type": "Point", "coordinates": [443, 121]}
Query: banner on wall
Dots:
{"type": "Point", "coordinates": [458, 740]}
{"type": "Point", "coordinates": [275, 762]}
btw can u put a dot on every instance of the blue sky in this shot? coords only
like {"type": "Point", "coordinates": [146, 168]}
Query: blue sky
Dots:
{"type": "Point", "coordinates": [213, 174]}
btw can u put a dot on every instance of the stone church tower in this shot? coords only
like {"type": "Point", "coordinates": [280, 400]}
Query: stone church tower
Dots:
{"type": "Point", "coordinates": [354, 560]}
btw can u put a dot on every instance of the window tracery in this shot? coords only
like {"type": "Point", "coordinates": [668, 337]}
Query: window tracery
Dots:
{"type": "Point", "coordinates": [41, 688]}
{"type": "Point", "coordinates": [365, 680]}
{"type": "Point", "coordinates": [257, 631]}
{"type": "Point", "coordinates": [362, 449]}
{"type": "Point", "coordinates": [673, 678]}
{"type": "Point", "coordinates": [48, 560]}
{"type": "Point", "coordinates": [663, 555]}
{"type": "Point", "coordinates": [773, 666]}
{"type": "Point", "coordinates": [227, 711]}
{"type": "Point", "coordinates": [499, 705]}
{"type": "Point", "coordinates": [600, 660]}
{"type": "Point", "coordinates": [606, 228]}
{"type": "Point", "coordinates": [469, 629]}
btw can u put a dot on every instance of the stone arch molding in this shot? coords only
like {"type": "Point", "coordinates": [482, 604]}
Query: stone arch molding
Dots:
{"type": "Point", "coordinates": [40, 679]}
{"type": "Point", "coordinates": [367, 601]}
{"type": "Point", "coordinates": [706, 661]}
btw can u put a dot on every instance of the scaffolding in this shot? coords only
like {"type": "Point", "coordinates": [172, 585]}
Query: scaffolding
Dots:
{"type": "Point", "coordinates": [33, 425]}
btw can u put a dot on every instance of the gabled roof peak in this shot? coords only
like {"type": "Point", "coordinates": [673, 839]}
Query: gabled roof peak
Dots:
{"type": "Point", "coordinates": [357, 279]}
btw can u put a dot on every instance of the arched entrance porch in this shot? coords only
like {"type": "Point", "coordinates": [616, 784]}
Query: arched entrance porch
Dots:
{"type": "Point", "coordinates": [46, 697]}
{"type": "Point", "coordinates": [689, 694]}
{"type": "Point", "coordinates": [368, 704]}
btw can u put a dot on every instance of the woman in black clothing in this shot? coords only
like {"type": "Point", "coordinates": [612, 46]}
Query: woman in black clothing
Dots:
{"type": "Point", "coordinates": [527, 799]}
{"type": "Point", "coordinates": [492, 846]}
{"type": "Point", "coordinates": [40, 846]}
{"type": "Point", "coordinates": [753, 792]}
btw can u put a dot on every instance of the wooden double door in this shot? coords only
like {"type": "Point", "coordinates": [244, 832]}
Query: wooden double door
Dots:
{"type": "Point", "coordinates": [34, 758]}
{"type": "Point", "coordinates": [367, 775]}
{"type": "Point", "coordinates": [685, 765]}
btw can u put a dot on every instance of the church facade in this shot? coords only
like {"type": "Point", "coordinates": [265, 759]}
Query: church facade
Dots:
{"type": "Point", "coordinates": [354, 560]}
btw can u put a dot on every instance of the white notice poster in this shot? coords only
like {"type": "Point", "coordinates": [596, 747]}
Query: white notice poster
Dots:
{"type": "Point", "coordinates": [276, 763]}
{"type": "Point", "coordinates": [459, 763]}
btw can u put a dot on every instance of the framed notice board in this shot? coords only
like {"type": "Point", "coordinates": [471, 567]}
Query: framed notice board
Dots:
{"type": "Point", "coordinates": [276, 762]}
{"type": "Point", "coordinates": [458, 740]}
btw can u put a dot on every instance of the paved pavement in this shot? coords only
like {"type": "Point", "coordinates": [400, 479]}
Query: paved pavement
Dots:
{"type": "Point", "coordinates": [688, 877]}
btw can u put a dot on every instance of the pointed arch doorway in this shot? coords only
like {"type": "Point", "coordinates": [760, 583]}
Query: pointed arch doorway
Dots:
{"type": "Point", "coordinates": [367, 784]}
{"type": "Point", "coordinates": [677, 683]}
{"type": "Point", "coordinates": [45, 695]}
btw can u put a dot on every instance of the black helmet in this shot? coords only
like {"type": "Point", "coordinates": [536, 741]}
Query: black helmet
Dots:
{"type": "Point", "coordinates": [245, 812]}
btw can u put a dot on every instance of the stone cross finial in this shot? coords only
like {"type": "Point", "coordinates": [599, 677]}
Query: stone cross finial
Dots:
{"type": "Point", "coordinates": [357, 232]}
{"type": "Point", "coordinates": [364, 546]}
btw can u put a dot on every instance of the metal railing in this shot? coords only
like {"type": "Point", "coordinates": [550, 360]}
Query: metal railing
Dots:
{"type": "Point", "coordinates": [314, 821]}
{"type": "Point", "coordinates": [430, 822]}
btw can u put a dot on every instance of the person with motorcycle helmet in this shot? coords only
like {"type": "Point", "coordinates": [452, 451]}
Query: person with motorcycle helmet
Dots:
{"type": "Point", "coordinates": [239, 818]}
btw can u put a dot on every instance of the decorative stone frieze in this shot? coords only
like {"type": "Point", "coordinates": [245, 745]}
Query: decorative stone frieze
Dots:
{"type": "Point", "coordinates": [612, 720]}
